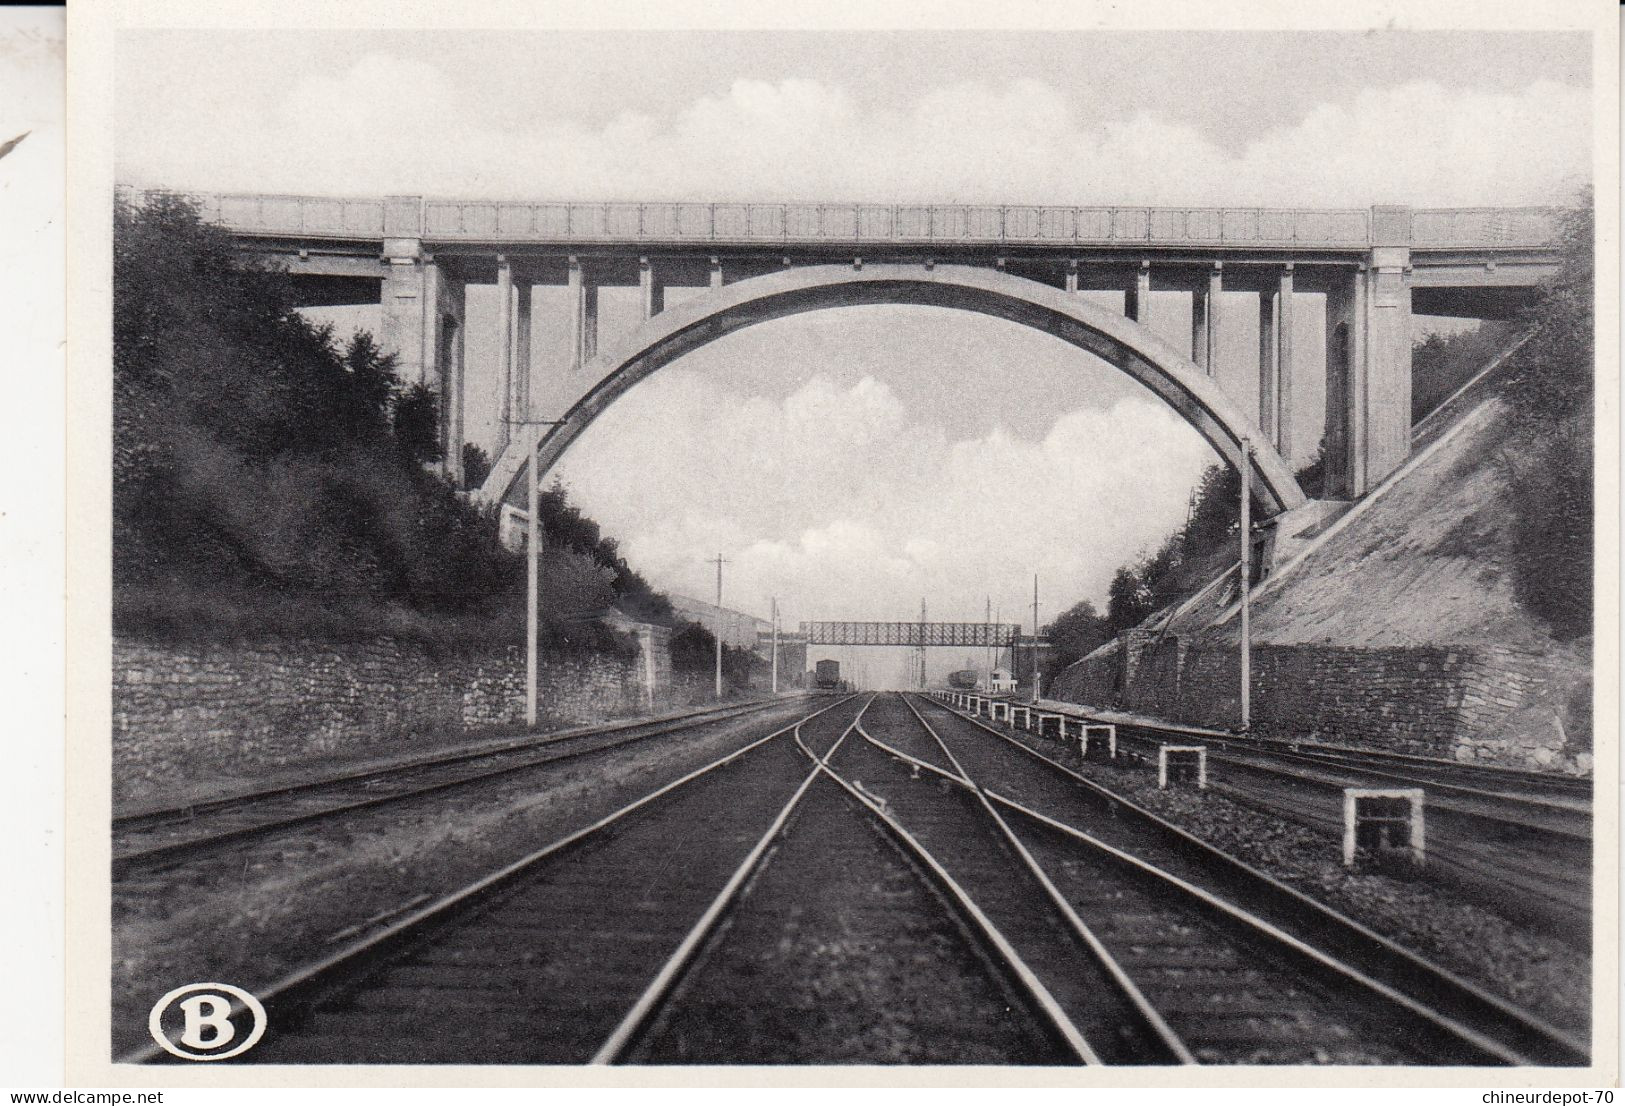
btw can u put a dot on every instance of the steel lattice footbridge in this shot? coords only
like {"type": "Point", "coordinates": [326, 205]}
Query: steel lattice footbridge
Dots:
{"type": "Point", "coordinates": [916, 635]}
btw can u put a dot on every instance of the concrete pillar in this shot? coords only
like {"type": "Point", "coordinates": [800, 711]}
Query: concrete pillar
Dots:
{"type": "Point", "coordinates": [1072, 276]}
{"type": "Point", "coordinates": [589, 318]}
{"type": "Point", "coordinates": [1204, 320]}
{"type": "Point", "coordinates": [1283, 359]}
{"type": "Point", "coordinates": [421, 324]}
{"type": "Point", "coordinates": [405, 313]}
{"type": "Point", "coordinates": [505, 375]}
{"type": "Point", "coordinates": [448, 300]}
{"type": "Point", "coordinates": [1345, 384]}
{"type": "Point", "coordinates": [521, 350]}
{"type": "Point", "coordinates": [716, 273]}
{"type": "Point", "coordinates": [653, 293]}
{"type": "Point", "coordinates": [1137, 302]}
{"type": "Point", "coordinates": [575, 294]}
{"type": "Point", "coordinates": [1387, 406]}
{"type": "Point", "coordinates": [583, 297]}
{"type": "Point", "coordinates": [1269, 369]}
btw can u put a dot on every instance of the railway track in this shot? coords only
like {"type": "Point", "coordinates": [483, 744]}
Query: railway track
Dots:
{"type": "Point", "coordinates": [1485, 843]}
{"type": "Point", "coordinates": [511, 968]}
{"type": "Point", "coordinates": [1000, 919]}
{"type": "Point", "coordinates": [696, 1012]}
{"type": "Point", "coordinates": [155, 840]}
{"type": "Point", "coordinates": [1536, 874]}
{"type": "Point", "coordinates": [574, 953]}
{"type": "Point", "coordinates": [1562, 802]}
{"type": "Point", "coordinates": [1231, 987]}
{"type": "Point", "coordinates": [1061, 802]}
{"type": "Point", "coordinates": [1543, 818]}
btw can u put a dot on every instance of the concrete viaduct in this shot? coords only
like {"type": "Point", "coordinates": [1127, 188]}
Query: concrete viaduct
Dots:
{"type": "Point", "coordinates": [415, 257]}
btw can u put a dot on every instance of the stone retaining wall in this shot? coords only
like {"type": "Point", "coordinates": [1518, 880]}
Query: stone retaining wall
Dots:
{"type": "Point", "coordinates": [187, 711]}
{"type": "Point", "coordinates": [1470, 703]}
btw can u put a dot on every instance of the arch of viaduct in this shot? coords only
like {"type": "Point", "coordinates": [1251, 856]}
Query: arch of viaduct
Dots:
{"type": "Point", "coordinates": [753, 262]}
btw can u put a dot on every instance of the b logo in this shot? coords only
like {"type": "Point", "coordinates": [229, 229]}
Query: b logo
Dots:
{"type": "Point", "coordinates": [204, 1014]}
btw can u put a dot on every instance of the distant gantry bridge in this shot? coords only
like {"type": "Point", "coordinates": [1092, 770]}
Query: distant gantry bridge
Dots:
{"type": "Point", "coordinates": [975, 635]}
{"type": "Point", "coordinates": [732, 265]}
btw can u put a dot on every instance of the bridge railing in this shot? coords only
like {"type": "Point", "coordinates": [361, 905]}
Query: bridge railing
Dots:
{"type": "Point", "coordinates": [272, 215]}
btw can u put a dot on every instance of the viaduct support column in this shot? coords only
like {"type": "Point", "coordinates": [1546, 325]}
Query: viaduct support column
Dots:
{"type": "Point", "coordinates": [505, 375]}
{"type": "Point", "coordinates": [1387, 384]}
{"type": "Point", "coordinates": [521, 352]}
{"type": "Point", "coordinates": [406, 315]}
{"type": "Point", "coordinates": [1137, 301]}
{"type": "Point", "coordinates": [1204, 320]}
{"type": "Point", "coordinates": [583, 296]}
{"type": "Point", "coordinates": [1346, 353]}
{"type": "Point", "coordinates": [421, 324]}
{"type": "Point", "coordinates": [450, 310]}
{"type": "Point", "coordinates": [651, 291]}
{"type": "Point", "coordinates": [1269, 368]}
{"type": "Point", "coordinates": [1283, 365]}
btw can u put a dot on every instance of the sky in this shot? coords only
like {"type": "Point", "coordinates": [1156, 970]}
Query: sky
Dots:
{"type": "Point", "coordinates": [853, 461]}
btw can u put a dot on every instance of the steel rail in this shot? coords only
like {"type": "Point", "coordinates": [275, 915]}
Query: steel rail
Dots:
{"type": "Point", "coordinates": [126, 864]}
{"type": "Point", "coordinates": [305, 983]}
{"type": "Point", "coordinates": [1214, 904]}
{"type": "Point", "coordinates": [636, 1019]}
{"type": "Point", "coordinates": [1244, 760]}
{"type": "Point", "coordinates": [1426, 769]}
{"type": "Point", "coordinates": [1155, 1023]}
{"type": "Point", "coordinates": [1333, 761]}
{"type": "Point", "coordinates": [189, 811]}
{"type": "Point", "coordinates": [1276, 936]}
{"type": "Point", "coordinates": [1011, 959]}
{"type": "Point", "coordinates": [1485, 1012]}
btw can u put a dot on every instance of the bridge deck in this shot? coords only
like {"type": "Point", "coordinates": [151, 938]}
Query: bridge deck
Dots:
{"type": "Point", "coordinates": [665, 223]}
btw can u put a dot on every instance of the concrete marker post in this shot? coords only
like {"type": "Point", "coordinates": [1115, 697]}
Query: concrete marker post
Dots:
{"type": "Point", "coordinates": [1107, 728]}
{"type": "Point", "coordinates": [1164, 751]}
{"type": "Point", "coordinates": [1413, 820]}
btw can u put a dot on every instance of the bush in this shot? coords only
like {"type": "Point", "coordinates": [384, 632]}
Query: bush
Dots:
{"type": "Point", "coordinates": [266, 481]}
{"type": "Point", "coordinates": [1441, 364]}
{"type": "Point", "coordinates": [1551, 389]}
{"type": "Point", "coordinates": [1073, 635]}
{"type": "Point", "coordinates": [476, 466]}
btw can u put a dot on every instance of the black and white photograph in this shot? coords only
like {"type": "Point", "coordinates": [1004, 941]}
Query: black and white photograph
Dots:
{"type": "Point", "coordinates": [1079, 544]}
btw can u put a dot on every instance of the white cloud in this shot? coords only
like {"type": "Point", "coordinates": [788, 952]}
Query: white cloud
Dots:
{"type": "Point", "coordinates": [846, 504]}
{"type": "Point", "coordinates": [1021, 141]}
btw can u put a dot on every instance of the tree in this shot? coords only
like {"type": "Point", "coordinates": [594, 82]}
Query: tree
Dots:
{"type": "Point", "coordinates": [1073, 635]}
{"type": "Point", "coordinates": [1551, 389]}
{"type": "Point", "coordinates": [417, 424]}
{"type": "Point", "coordinates": [1129, 600]}
{"type": "Point", "coordinates": [476, 466]}
{"type": "Point", "coordinates": [255, 458]}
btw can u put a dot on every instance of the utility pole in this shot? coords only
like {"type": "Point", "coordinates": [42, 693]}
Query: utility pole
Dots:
{"type": "Point", "coordinates": [921, 650]}
{"type": "Point", "coordinates": [998, 653]}
{"type": "Point", "coordinates": [775, 602]}
{"type": "Point", "coordinates": [719, 563]}
{"type": "Point", "coordinates": [1246, 584]}
{"type": "Point", "coordinates": [987, 624]}
{"type": "Point", "coordinates": [533, 579]}
{"type": "Point", "coordinates": [1035, 637]}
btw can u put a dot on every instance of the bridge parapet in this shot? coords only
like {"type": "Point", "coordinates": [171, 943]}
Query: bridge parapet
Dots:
{"type": "Point", "coordinates": [514, 221]}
